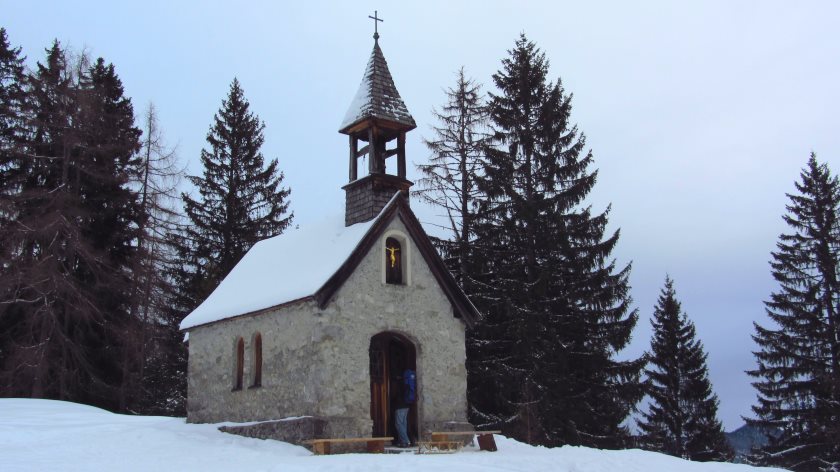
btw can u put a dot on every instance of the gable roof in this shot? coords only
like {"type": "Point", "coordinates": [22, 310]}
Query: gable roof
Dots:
{"type": "Point", "coordinates": [330, 253]}
{"type": "Point", "coordinates": [377, 96]}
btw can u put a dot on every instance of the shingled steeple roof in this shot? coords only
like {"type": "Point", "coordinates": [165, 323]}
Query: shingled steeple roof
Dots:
{"type": "Point", "coordinates": [377, 97]}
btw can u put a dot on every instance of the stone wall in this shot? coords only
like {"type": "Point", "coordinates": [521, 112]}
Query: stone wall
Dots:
{"type": "Point", "coordinates": [293, 431]}
{"type": "Point", "coordinates": [316, 362]}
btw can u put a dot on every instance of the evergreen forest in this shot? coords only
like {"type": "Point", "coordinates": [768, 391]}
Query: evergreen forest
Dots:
{"type": "Point", "coordinates": [103, 252]}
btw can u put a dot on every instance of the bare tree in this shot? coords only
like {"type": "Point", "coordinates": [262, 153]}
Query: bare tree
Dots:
{"type": "Point", "coordinates": [448, 180]}
{"type": "Point", "coordinates": [157, 185]}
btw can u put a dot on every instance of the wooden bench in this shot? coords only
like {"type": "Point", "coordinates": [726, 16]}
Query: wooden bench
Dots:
{"type": "Point", "coordinates": [439, 447]}
{"type": "Point", "coordinates": [322, 446]}
{"type": "Point", "coordinates": [485, 438]}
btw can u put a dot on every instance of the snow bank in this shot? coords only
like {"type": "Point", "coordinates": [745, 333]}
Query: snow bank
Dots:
{"type": "Point", "coordinates": [44, 435]}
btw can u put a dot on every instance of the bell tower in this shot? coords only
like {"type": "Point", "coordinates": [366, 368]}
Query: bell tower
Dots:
{"type": "Point", "coordinates": [376, 124]}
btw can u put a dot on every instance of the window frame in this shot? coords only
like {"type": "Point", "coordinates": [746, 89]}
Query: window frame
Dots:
{"type": "Point", "coordinates": [238, 363]}
{"type": "Point", "coordinates": [257, 360]}
{"type": "Point", "coordinates": [405, 261]}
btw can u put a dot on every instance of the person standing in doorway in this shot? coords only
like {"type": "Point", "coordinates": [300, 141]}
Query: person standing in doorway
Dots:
{"type": "Point", "coordinates": [406, 397]}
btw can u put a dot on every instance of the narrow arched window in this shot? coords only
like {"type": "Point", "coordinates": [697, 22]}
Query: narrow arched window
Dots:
{"type": "Point", "coordinates": [393, 261]}
{"type": "Point", "coordinates": [240, 364]}
{"type": "Point", "coordinates": [257, 347]}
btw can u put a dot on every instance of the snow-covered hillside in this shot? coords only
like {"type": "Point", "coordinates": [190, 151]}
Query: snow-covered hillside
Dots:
{"type": "Point", "coordinates": [43, 435]}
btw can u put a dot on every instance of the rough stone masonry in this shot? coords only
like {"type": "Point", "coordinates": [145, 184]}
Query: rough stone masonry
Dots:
{"type": "Point", "coordinates": [316, 362]}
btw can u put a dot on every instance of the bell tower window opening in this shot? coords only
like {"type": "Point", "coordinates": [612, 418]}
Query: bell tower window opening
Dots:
{"type": "Point", "coordinates": [376, 152]}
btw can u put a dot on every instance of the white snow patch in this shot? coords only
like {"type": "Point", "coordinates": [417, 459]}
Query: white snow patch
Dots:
{"type": "Point", "coordinates": [44, 435]}
{"type": "Point", "coordinates": [361, 101]}
{"type": "Point", "coordinates": [251, 423]}
{"type": "Point", "coordinates": [284, 268]}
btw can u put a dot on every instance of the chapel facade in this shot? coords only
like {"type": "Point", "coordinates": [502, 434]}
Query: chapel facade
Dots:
{"type": "Point", "coordinates": [318, 355]}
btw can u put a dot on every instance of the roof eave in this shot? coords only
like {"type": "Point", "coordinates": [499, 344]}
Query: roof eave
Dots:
{"type": "Point", "coordinates": [461, 304]}
{"type": "Point", "coordinates": [365, 121]}
{"type": "Point", "coordinates": [251, 313]}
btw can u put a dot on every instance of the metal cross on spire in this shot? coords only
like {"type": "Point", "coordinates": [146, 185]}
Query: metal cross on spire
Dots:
{"type": "Point", "coordinates": [376, 21]}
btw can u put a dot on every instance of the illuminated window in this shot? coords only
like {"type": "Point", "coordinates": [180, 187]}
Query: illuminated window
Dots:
{"type": "Point", "coordinates": [393, 262]}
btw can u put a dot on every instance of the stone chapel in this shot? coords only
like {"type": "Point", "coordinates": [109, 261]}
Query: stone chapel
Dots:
{"type": "Point", "coordinates": [307, 333]}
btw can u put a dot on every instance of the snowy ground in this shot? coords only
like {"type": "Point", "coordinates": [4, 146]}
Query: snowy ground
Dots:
{"type": "Point", "coordinates": [48, 435]}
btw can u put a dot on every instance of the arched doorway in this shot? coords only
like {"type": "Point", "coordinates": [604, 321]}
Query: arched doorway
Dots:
{"type": "Point", "coordinates": [390, 354]}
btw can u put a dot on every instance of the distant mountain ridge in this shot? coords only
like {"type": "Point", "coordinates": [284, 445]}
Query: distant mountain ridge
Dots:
{"type": "Point", "coordinates": [744, 439]}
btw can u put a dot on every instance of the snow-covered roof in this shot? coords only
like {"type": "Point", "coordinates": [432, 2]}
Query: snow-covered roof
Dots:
{"type": "Point", "coordinates": [313, 262]}
{"type": "Point", "coordinates": [377, 96]}
{"type": "Point", "coordinates": [281, 269]}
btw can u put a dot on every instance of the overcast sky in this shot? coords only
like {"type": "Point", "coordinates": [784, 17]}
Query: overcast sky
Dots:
{"type": "Point", "coordinates": [700, 116]}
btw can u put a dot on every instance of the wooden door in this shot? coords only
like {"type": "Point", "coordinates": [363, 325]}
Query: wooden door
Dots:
{"type": "Point", "coordinates": [379, 386]}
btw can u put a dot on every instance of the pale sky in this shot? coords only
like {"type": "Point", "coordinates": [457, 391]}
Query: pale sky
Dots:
{"type": "Point", "coordinates": [700, 115]}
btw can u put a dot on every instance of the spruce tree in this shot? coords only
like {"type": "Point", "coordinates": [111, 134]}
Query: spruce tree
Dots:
{"type": "Point", "coordinates": [13, 170]}
{"type": "Point", "coordinates": [682, 417]}
{"type": "Point", "coordinates": [557, 310]}
{"type": "Point", "coordinates": [108, 165]}
{"type": "Point", "coordinates": [12, 135]}
{"type": "Point", "coordinates": [12, 98]}
{"type": "Point", "coordinates": [65, 305]}
{"type": "Point", "coordinates": [35, 293]}
{"type": "Point", "coordinates": [448, 181]}
{"type": "Point", "coordinates": [241, 201]}
{"type": "Point", "coordinates": [798, 373]}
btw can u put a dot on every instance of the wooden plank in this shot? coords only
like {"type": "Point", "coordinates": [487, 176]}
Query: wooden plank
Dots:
{"type": "Point", "coordinates": [486, 442]}
{"type": "Point", "coordinates": [378, 387]}
{"type": "Point", "coordinates": [376, 447]}
{"type": "Point", "coordinates": [321, 448]}
{"type": "Point", "coordinates": [466, 433]}
{"type": "Point", "coordinates": [401, 155]}
{"type": "Point", "coordinates": [372, 157]}
{"type": "Point", "coordinates": [364, 150]}
{"type": "Point", "coordinates": [347, 440]}
{"type": "Point", "coordinates": [354, 143]}
{"type": "Point", "coordinates": [439, 447]}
